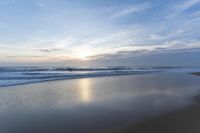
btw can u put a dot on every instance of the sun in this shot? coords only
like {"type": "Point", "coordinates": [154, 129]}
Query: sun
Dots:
{"type": "Point", "coordinates": [84, 54]}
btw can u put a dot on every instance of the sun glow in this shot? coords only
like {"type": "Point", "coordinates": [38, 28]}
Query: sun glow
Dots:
{"type": "Point", "coordinates": [84, 54]}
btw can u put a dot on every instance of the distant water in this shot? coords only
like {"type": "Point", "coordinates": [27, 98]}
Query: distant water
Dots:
{"type": "Point", "coordinates": [10, 76]}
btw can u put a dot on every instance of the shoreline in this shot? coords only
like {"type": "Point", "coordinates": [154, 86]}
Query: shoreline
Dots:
{"type": "Point", "coordinates": [83, 77]}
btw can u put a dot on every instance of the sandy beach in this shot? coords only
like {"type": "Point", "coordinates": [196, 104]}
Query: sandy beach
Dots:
{"type": "Point", "coordinates": [161, 102]}
{"type": "Point", "coordinates": [182, 121]}
{"type": "Point", "coordinates": [185, 120]}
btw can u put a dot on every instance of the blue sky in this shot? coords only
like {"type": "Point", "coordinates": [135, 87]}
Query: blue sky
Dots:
{"type": "Point", "coordinates": [74, 32]}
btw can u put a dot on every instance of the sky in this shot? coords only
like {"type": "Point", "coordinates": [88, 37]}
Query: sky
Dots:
{"type": "Point", "coordinates": [100, 32]}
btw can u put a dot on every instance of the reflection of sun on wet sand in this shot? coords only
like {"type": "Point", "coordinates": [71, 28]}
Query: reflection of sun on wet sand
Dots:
{"type": "Point", "coordinates": [85, 90]}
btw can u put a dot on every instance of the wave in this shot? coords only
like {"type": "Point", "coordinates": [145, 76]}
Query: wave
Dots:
{"type": "Point", "coordinates": [10, 76]}
{"type": "Point", "coordinates": [40, 69]}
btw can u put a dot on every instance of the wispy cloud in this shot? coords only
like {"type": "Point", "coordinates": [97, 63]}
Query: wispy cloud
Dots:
{"type": "Point", "coordinates": [196, 14]}
{"type": "Point", "coordinates": [186, 4]}
{"type": "Point", "coordinates": [181, 7]}
{"type": "Point", "coordinates": [130, 9]}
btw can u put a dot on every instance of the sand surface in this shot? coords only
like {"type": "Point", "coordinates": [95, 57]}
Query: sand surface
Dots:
{"type": "Point", "coordinates": [186, 120]}
{"type": "Point", "coordinates": [164, 102]}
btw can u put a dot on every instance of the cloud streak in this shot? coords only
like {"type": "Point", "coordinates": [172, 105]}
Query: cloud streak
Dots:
{"type": "Point", "coordinates": [181, 7]}
{"type": "Point", "coordinates": [128, 10]}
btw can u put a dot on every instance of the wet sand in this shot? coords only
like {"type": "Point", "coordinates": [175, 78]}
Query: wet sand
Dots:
{"type": "Point", "coordinates": [164, 102]}
{"type": "Point", "coordinates": [186, 120]}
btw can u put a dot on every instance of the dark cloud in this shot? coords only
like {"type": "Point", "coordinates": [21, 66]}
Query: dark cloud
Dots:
{"type": "Point", "coordinates": [48, 50]}
{"type": "Point", "coordinates": [159, 56]}
{"type": "Point", "coordinates": [119, 54]}
{"type": "Point", "coordinates": [175, 57]}
{"type": "Point", "coordinates": [133, 52]}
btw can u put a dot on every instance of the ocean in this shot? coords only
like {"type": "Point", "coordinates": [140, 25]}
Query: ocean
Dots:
{"type": "Point", "coordinates": [11, 76]}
